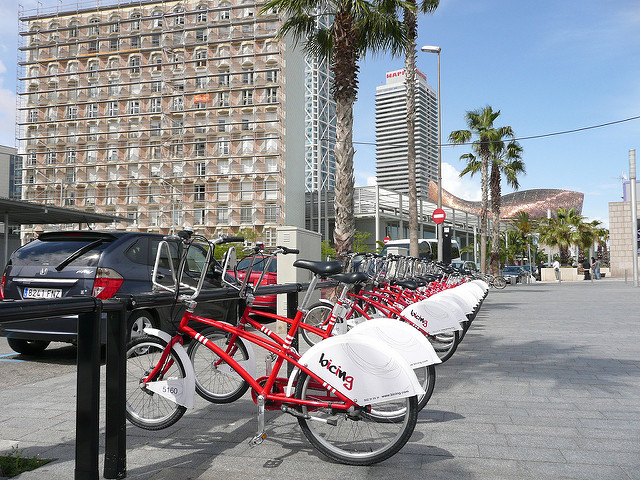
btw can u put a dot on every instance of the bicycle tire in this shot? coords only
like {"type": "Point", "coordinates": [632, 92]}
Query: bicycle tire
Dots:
{"type": "Point", "coordinates": [216, 382]}
{"type": "Point", "coordinates": [445, 344]}
{"type": "Point", "coordinates": [499, 283]}
{"type": "Point", "coordinates": [317, 316]}
{"type": "Point", "coordinates": [144, 408]}
{"type": "Point", "coordinates": [355, 438]}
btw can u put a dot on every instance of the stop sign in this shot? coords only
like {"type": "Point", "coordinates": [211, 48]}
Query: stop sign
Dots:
{"type": "Point", "coordinates": [438, 215]}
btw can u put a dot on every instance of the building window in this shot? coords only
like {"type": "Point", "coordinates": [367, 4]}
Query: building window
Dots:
{"type": "Point", "coordinates": [114, 44]}
{"type": "Point", "coordinates": [156, 105]}
{"type": "Point", "coordinates": [156, 131]}
{"type": "Point", "coordinates": [157, 18]}
{"type": "Point", "coordinates": [270, 213]}
{"type": "Point", "coordinates": [177, 126]}
{"type": "Point", "coordinates": [200, 82]}
{"type": "Point", "coordinates": [71, 156]}
{"type": "Point", "coordinates": [72, 112]}
{"type": "Point", "coordinates": [156, 87]}
{"type": "Point", "coordinates": [155, 40]}
{"type": "Point", "coordinates": [180, 17]}
{"type": "Point", "coordinates": [246, 190]}
{"type": "Point", "coordinates": [32, 158]}
{"type": "Point", "coordinates": [135, 42]}
{"type": "Point", "coordinates": [199, 192]}
{"type": "Point", "coordinates": [223, 214]}
{"type": "Point", "coordinates": [201, 169]}
{"type": "Point", "coordinates": [134, 107]}
{"type": "Point", "coordinates": [112, 154]}
{"type": "Point", "coordinates": [201, 16]}
{"type": "Point", "coordinates": [246, 214]}
{"type": "Point", "coordinates": [200, 148]}
{"type": "Point", "coordinates": [223, 99]}
{"type": "Point", "coordinates": [271, 95]}
{"type": "Point", "coordinates": [223, 79]}
{"type": "Point", "coordinates": [92, 110]}
{"type": "Point", "coordinates": [201, 58]}
{"type": "Point", "coordinates": [199, 216]}
{"type": "Point", "coordinates": [94, 29]}
{"type": "Point", "coordinates": [134, 63]}
{"type": "Point", "coordinates": [223, 192]}
{"type": "Point", "coordinates": [271, 190]}
{"type": "Point", "coordinates": [114, 88]}
{"type": "Point", "coordinates": [247, 146]}
{"type": "Point", "coordinates": [271, 76]}
{"type": "Point", "coordinates": [113, 109]}
{"type": "Point", "coordinates": [223, 146]}
{"type": "Point", "coordinates": [247, 76]}
{"type": "Point", "coordinates": [135, 24]}
{"type": "Point", "coordinates": [178, 103]}
{"type": "Point", "coordinates": [201, 35]}
{"type": "Point", "coordinates": [247, 97]}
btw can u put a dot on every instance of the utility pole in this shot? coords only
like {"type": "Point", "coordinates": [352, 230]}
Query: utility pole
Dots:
{"type": "Point", "coordinates": [634, 215]}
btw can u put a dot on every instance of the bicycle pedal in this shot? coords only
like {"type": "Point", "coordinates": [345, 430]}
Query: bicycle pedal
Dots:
{"type": "Point", "coordinates": [258, 439]}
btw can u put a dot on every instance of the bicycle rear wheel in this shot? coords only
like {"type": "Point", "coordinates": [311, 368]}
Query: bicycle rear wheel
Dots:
{"type": "Point", "coordinates": [216, 381]}
{"type": "Point", "coordinates": [358, 437]}
{"type": "Point", "coordinates": [499, 282]}
{"type": "Point", "coordinates": [317, 316]}
{"type": "Point", "coordinates": [145, 408]}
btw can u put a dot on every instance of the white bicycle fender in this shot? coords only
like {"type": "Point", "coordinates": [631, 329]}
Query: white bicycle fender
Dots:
{"type": "Point", "coordinates": [458, 298]}
{"type": "Point", "coordinates": [431, 317]}
{"type": "Point", "coordinates": [451, 305]}
{"type": "Point", "coordinates": [402, 337]}
{"type": "Point", "coordinates": [178, 390]}
{"type": "Point", "coordinates": [361, 368]}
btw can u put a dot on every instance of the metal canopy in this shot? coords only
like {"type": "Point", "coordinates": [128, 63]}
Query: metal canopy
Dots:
{"type": "Point", "coordinates": [18, 212]}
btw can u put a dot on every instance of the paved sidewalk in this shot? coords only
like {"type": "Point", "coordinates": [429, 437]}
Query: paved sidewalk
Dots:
{"type": "Point", "coordinates": [546, 385]}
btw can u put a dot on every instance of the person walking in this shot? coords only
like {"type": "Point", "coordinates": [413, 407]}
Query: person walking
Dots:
{"type": "Point", "coordinates": [596, 267]}
{"type": "Point", "coordinates": [556, 269]}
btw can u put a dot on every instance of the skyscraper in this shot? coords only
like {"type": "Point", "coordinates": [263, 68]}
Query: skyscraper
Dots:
{"type": "Point", "coordinates": [168, 112]}
{"type": "Point", "coordinates": [391, 134]}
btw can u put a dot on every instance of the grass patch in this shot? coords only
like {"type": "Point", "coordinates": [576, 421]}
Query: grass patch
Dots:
{"type": "Point", "coordinates": [15, 463]}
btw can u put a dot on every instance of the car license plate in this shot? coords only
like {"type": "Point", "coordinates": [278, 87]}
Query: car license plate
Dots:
{"type": "Point", "coordinates": [42, 293]}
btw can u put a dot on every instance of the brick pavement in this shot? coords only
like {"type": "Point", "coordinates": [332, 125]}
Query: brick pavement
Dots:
{"type": "Point", "coordinates": [544, 386]}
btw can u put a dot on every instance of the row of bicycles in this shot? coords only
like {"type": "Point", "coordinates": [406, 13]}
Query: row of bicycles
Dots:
{"type": "Point", "coordinates": [370, 349]}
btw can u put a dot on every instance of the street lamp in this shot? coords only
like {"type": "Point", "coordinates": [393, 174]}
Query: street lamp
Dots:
{"type": "Point", "coordinates": [433, 49]}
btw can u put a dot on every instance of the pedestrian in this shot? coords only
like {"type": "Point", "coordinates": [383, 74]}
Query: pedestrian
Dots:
{"type": "Point", "coordinates": [540, 270]}
{"type": "Point", "coordinates": [556, 269]}
{"type": "Point", "coordinates": [593, 268]}
{"type": "Point", "coordinates": [586, 266]}
{"type": "Point", "coordinates": [597, 265]}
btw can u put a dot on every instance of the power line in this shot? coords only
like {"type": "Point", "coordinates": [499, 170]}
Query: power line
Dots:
{"type": "Point", "coordinates": [531, 137]}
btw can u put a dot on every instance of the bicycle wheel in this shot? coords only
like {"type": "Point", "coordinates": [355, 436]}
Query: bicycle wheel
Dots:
{"type": "Point", "coordinates": [358, 437]}
{"type": "Point", "coordinates": [499, 282]}
{"type": "Point", "coordinates": [318, 317]}
{"type": "Point", "coordinates": [145, 408]}
{"type": "Point", "coordinates": [445, 344]}
{"type": "Point", "coordinates": [394, 412]}
{"type": "Point", "coordinates": [216, 381]}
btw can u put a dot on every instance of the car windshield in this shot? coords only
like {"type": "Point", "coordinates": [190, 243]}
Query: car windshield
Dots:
{"type": "Point", "coordinates": [259, 264]}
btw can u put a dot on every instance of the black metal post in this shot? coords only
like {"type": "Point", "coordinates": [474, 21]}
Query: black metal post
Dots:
{"type": "Point", "coordinates": [115, 455]}
{"type": "Point", "coordinates": [88, 395]}
{"type": "Point", "coordinates": [292, 310]}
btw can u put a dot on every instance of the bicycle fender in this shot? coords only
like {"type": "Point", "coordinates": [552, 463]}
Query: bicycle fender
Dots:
{"type": "Point", "coordinates": [178, 390]}
{"type": "Point", "coordinates": [465, 304]}
{"type": "Point", "coordinates": [402, 337]}
{"type": "Point", "coordinates": [431, 317]}
{"type": "Point", "coordinates": [361, 368]}
{"type": "Point", "coordinates": [451, 305]}
{"type": "Point", "coordinates": [482, 284]}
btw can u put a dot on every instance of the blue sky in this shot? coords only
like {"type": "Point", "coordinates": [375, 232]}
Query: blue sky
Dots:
{"type": "Point", "coordinates": [548, 66]}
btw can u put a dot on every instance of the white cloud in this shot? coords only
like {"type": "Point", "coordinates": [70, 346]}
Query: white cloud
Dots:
{"type": "Point", "coordinates": [467, 188]}
{"type": "Point", "coordinates": [371, 181]}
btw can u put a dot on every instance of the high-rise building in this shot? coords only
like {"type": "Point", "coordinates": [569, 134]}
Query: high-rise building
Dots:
{"type": "Point", "coordinates": [169, 112]}
{"type": "Point", "coordinates": [391, 134]}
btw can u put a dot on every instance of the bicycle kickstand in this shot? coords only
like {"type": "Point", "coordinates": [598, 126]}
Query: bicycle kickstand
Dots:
{"type": "Point", "coordinates": [261, 435]}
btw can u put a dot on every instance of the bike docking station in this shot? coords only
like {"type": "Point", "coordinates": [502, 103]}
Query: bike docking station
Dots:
{"type": "Point", "coordinates": [90, 317]}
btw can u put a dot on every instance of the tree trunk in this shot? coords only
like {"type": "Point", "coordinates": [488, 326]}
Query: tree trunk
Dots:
{"type": "Point", "coordinates": [484, 186]}
{"type": "Point", "coordinates": [344, 89]}
{"type": "Point", "coordinates": [496, 192]}
{"type": "Point", "coordinates": [410, 85]}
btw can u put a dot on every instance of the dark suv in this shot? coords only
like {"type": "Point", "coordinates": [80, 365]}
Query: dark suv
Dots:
{"type": "Point", "coordinates": [101, 264]}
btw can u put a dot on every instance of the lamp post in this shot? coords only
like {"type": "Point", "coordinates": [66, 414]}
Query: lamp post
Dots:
{"type": "Point", "coordinates": [434, 49]}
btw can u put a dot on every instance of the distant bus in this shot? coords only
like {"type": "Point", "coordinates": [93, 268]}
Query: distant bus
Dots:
{"type": "Point", "coordinates": [427, 248]}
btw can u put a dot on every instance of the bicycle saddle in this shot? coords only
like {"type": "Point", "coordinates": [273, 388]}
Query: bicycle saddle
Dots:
{"type": "Point", "coordinates": [350, 278]}
{"type": "Point", "coordinates": [324, 269]}
{"type": "Point", "coordinates": [410, 284]}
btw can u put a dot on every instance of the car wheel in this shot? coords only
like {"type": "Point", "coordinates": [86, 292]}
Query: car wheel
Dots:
{"type": "Point", "coordinates": [27, 347]}
{"type": "Point", "coordinates": [138, 321]}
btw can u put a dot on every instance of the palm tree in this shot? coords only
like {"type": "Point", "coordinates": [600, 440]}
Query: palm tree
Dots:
{"type": "Point", "coordinates": [480, 125]}
{"type": "Point", "coordinates": [356, 28]}
{"type": "Point", "coordinates": [525, 226]}
{"type": "Point", "coordinates": [410, 20]}
{"type": "Point", "coordinates": [505, 160]}
{"type": "Point", "coordinates": [565, 229]}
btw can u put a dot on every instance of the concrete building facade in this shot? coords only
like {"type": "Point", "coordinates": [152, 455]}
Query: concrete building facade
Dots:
{"type": "Point", "coordinates": [170, 113]}
{"type": "Point", "coordinates": [621, 239]}
{"type": "Point", "coordinates": [391, 134]}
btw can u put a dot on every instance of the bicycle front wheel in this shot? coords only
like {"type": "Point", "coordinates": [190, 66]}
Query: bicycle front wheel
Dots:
{"type": "Point", "coordinates": [358, 437]}
{"type": "Point", "coordinates": [145, 408]}
{"type": "Point", "coordinates": [317, 316]}
{"type": "Point", "coordinates": [445, 344]}
{"type": "Point", "coordinates": [216, 381]}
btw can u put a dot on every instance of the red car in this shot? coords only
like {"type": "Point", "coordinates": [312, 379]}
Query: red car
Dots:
{"type": "Point", "coordinates": [267, 302]}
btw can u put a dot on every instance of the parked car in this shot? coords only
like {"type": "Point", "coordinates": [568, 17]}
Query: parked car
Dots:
{"type": "Point", "coordinates": [102, 264]}
{"type": "Point", "coordinates": [268, 302]}
{"type": "Point", "coordinates": [513, 274]}
{"type": "Point", "coordinates": [466, 265]}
